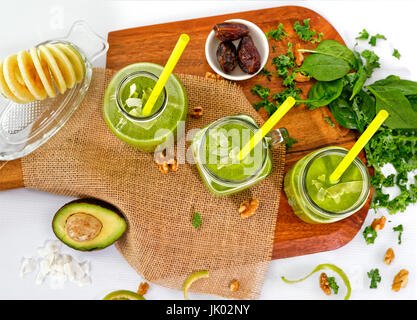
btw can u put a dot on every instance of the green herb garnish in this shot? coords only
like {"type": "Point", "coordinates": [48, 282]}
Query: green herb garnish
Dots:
{"type": "Point", "coordinates": [363, 35]}
{"type": "Point", "coordinates": [369, 234]}
{"type": "Point", "coordinates": [305, 33]}
{"type": "Point", "coordinates": [277, 34]}
{"type": "Point", "coordinates": [290, 142]}
{"type": "Point", "coordinates": [396, 54]}
{"type": "Point", "coordinates": [266, 73]}
{"type": "Point", "coordinates": [399, 228]}
{"type": "Point", "coordinates": [333, 285]}
{"type": "Point", "coordinates": [373, 39]}
{"type": "Point", "coordinates": [375, 278]}
{"type": "Point", "coordinates": [196, 220]}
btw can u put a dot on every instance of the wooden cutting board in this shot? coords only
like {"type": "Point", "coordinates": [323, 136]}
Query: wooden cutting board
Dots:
{"type": "Point", "coordinates": [154, 44]}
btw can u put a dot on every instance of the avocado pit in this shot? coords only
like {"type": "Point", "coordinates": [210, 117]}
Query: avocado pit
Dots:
{"type": "Point", "coordinates": [88, 224]}
{"type": "Point", "coordinates": [83, 227]}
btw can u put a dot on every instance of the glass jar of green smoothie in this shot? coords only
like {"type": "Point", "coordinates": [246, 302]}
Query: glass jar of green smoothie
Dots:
{"type": "Point", "coordinates": [216, 147]}
{"type": "Point", "coordinates": [314, 198]}
{"type": "Point", "coordinates": [128, 92]}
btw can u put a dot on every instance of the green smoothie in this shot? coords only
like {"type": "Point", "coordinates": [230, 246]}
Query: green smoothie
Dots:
{"type": "Point", "coordinates": [215, 149]}
{"type": "Point", "coordinates": [136, 92]}
{"type": "Point", "coordinates": [333, 197]}
{"type": "Point", "coordinates": [128, 92]}
{"type": "Point", "coordinates": [311, 195]}
{"type": "Point", "coordinates": [223, 143]}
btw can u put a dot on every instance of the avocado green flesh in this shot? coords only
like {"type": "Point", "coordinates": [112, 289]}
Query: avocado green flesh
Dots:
{"type": "Point", "coordinates": [113, 226]}
{"type": "Point", "coordinates": [123, 295]}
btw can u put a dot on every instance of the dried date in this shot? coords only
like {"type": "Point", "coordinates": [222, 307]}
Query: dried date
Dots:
{"type": "Point", "coordinates": [248, 56]}
{"type": "Point", "coordinates": [229, 31]}
{"type": "Point", "coordinates": [227, 56]}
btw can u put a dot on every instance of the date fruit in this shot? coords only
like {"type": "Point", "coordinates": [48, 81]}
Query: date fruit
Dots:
{"type": "Point", "coordinates": [227, 56]}
{"type": "Point", "coordinates": [248, 56]}
{"type": "Point", "coordinates": [229, 31]}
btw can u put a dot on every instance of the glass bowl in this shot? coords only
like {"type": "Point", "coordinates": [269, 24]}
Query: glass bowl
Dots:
{"type": "Point", "coordinates": [25, 127]}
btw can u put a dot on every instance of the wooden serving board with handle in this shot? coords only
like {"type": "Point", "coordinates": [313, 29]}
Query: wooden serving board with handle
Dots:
{"type": "Point", "coordinates": [154, 43]}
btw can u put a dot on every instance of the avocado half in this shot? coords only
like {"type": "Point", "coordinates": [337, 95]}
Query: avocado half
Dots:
{"type": "Point", "coordinates": [88, 224]}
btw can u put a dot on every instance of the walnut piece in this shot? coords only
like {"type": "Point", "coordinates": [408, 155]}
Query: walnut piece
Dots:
{"type": "Point", "coordinates": [324, 284]}
{"type": "Point", "coordinates": [299, 77]}
{"type": "Point", "coordinates": [389, 256]}
{"type": "Point", "coordinates": [196, 112]}
{"type": "Point", "coordinates": [400, 280]}
{"type": "Point", "coordinates": [210, 75]}
{"type": "Point", "coordinates": [165, 165]}
{"type": "Point", "coordinates": [247, 208]}
{"type": "Point", "coordinates": [143, 288]}
{"type": "Point", "coordinates": [378, 224]}
{"type": "Point", "coordinates": [299, 57]}
{"type": "Point", "coordinates": [234, 285]}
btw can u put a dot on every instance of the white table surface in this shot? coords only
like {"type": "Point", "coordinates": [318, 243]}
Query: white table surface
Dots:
{"type": "Point", "coordinates": [25, 215]}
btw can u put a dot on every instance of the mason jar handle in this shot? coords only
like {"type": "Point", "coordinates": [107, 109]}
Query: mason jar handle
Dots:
{"type": "Point", "coordinates": [92, 45]}
{"type": "Point", "coordinates": [278, 137]}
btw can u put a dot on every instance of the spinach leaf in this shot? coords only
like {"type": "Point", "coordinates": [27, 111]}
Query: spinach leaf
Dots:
{"type": "Point", "coordinates": [364, 108]}
{"type": "Point", "coordinates": [361, 77]}
{"type": "Point", "coordinates": [402, 115]}
{"type": "Point", "coordinates": [343, 113]}
{"type": "Point", "coordinates": [323, 92]}
{"type": "Point", "coordinates": [335, 49]}
{"type": "Point", "coordinates": [354, 114]}
{"type": "Point", "coordinates": [406, 87]}
{"type": "Point", "coordinates": [324, 68]}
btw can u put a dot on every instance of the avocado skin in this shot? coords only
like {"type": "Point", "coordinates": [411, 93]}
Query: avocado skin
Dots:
{"type": "Point", "coordinates": [95, 202]}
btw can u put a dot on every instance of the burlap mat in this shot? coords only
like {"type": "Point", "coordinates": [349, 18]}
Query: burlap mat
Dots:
{"type": "Point", "coordinates": [85, 159]}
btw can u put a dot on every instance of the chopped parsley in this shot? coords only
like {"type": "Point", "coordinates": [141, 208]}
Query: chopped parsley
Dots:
{"type": "Point", "coordinates": [333, 285]}
{"type": "Point", "coordinates": [400, 229]}
{"type": "Point", "coordinates": [372, 40]}
{"type": "Point", "coordinates": [196, 220]}
{"type": "Point", "coordinates": [276, 34]}
{"type": "Point", "coordinates": [290, 142]}
{"type": "Point", "coordinates": [329, 121]}
{"type": "Point", "coordinates": [375, 278]}
{"type": "Point", "coordinates": [395, 146]}
{"type": "Point", "coordinates": [396, 54]}
{"type": "Point", "coordinates": [369, 234]}
{"type": "Point", "coordinates": [266, 73]}
{"type": "Point", "coordinates": [363, 35]}
{"type": "Point", "coordinates": [305, 33]}
{"type": "Point", "coordinates": [274, 48]}
{"type": "Point", "coordinates": [280, 97]}
{"type": "Point", "coordinates": [283, 63]}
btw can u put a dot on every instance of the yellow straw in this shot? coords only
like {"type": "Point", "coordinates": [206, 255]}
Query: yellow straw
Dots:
{"type": "Point", "coordinates": [269, 124]}
{"type": "Point", "coordinates": [163, 78]}
{"type": "Point", "coordinates": [359, 145]}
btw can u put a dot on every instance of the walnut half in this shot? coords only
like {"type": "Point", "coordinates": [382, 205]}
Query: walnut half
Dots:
{"type": "Point", "coordinates": [324, 284]}
{"type": "Point", "coordinates": [389, 256]}
{"type": "Point", "coordinates": [400, 280]}
{"type": "Point", "coordinates": [210, 75]}
{"type": "Point", "coordinates": [378, 224]}
{"type": "Point", "coordinates": [248, 209]}
{"type": "Point", "coordinates": [234, 286]}
{"type": "Point", "coordinates": [143, 288]}
{"type": "Point", "coordinates": [299, 77]}
{"type": "Point", "coordinates": [299, 57]}
{"type": "Point", "coordinates": [166, 165]}
{"type": "Point", "coordinates": [196, 112]}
